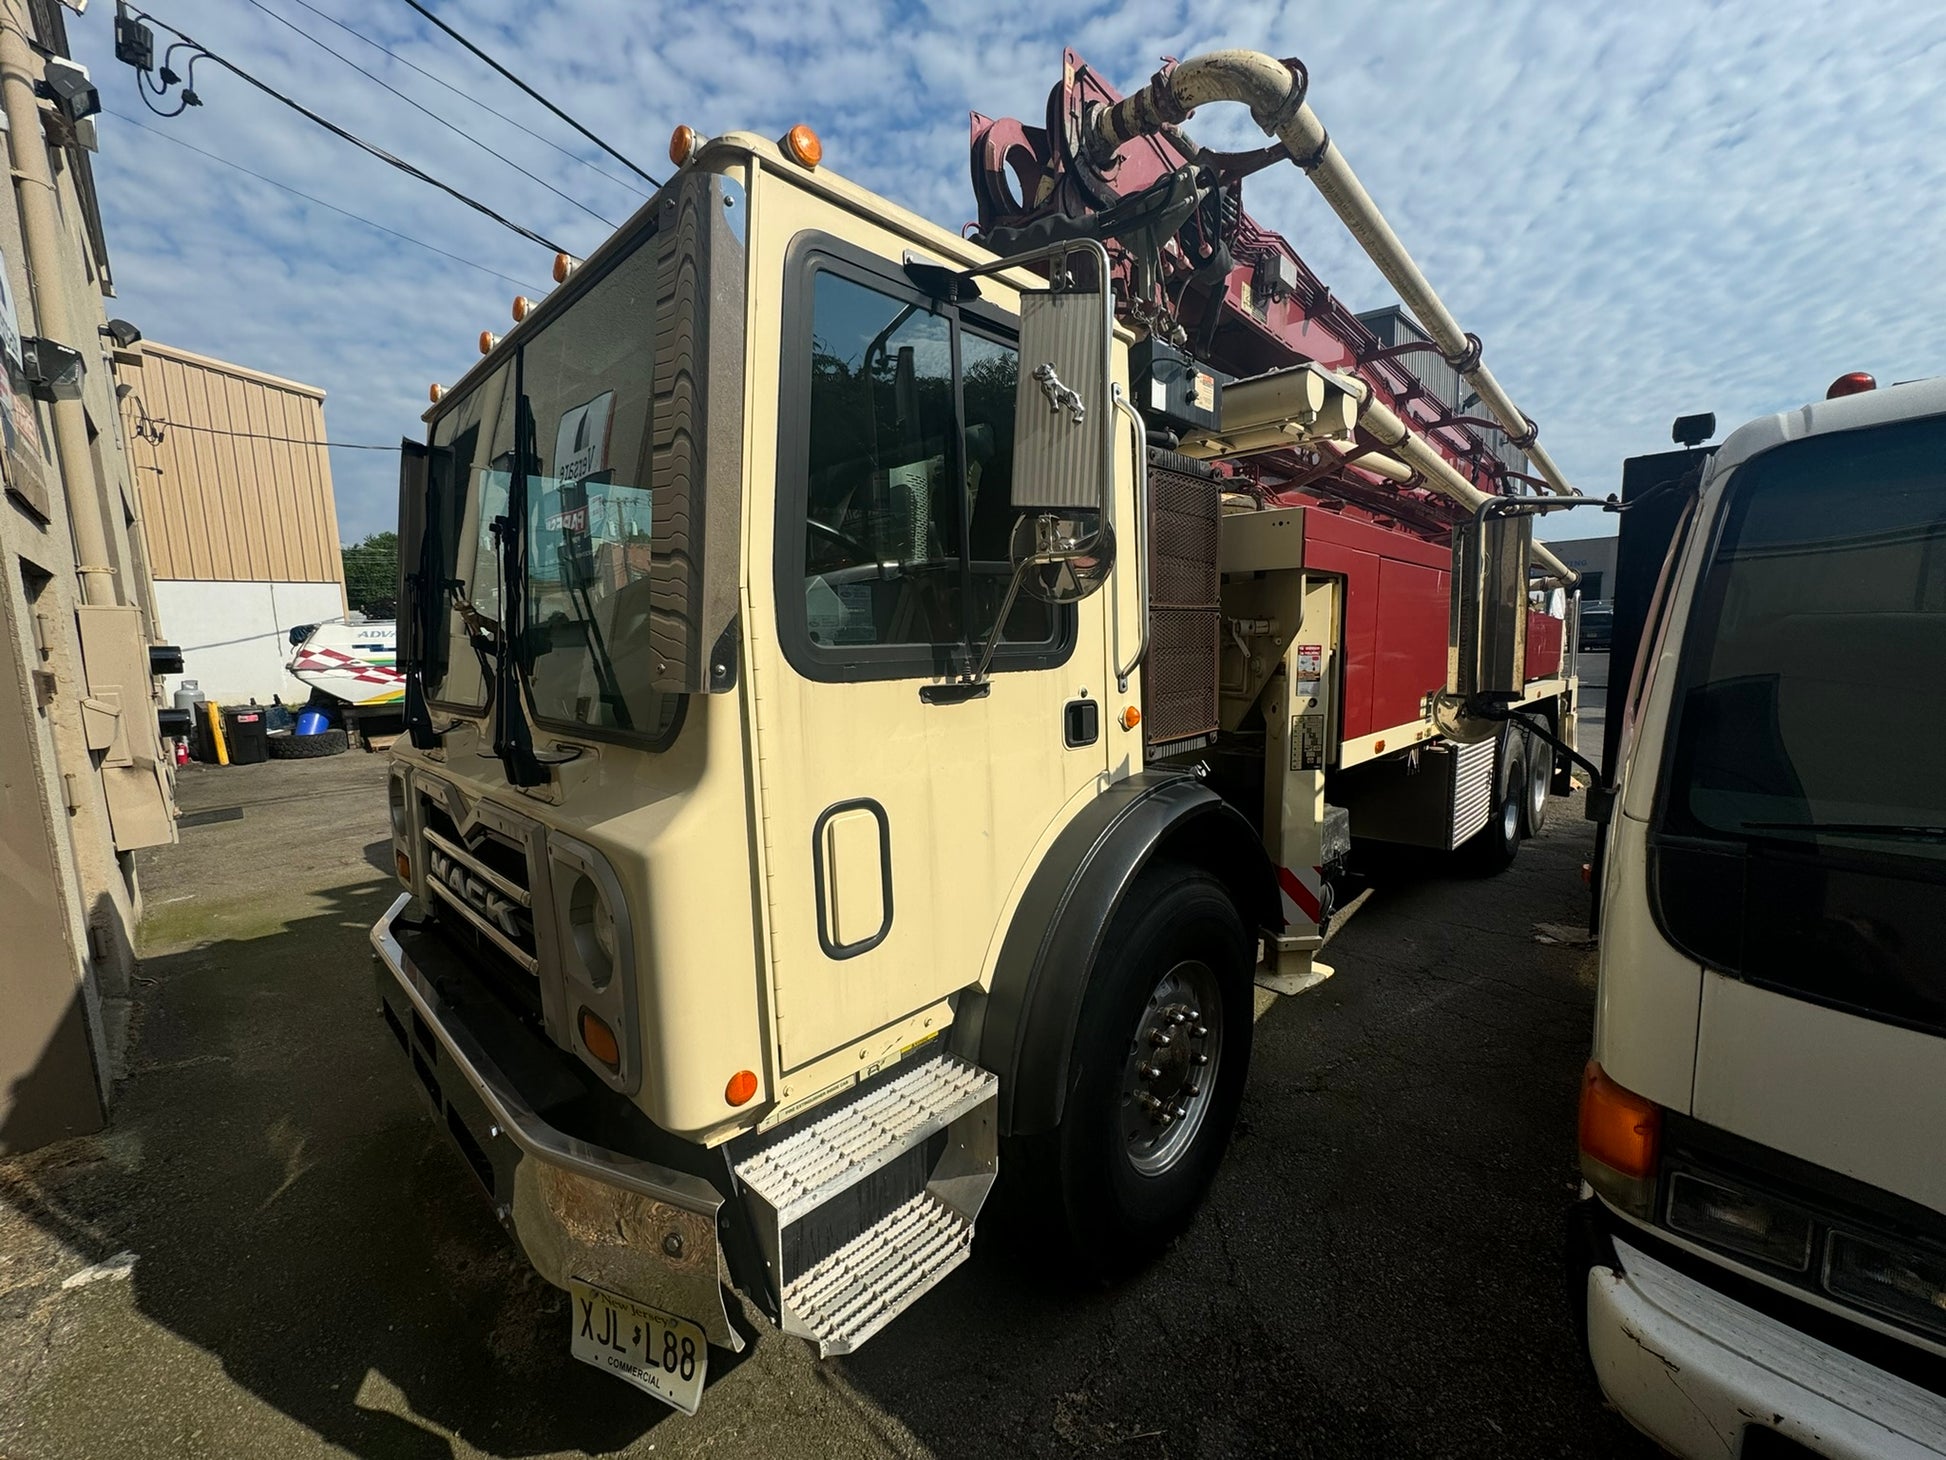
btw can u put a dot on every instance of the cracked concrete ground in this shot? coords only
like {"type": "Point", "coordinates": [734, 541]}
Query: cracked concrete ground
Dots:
{"type": "Point", "coordinates": [1379, 1270]}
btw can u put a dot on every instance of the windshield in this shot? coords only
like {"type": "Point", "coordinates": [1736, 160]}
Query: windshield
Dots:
{"type": "Point", "coordinates": [585, 404]}
{"type": "Point", "coordinates": [587, 379]}
{"type": "Point", "coordinates": [1803, 814]}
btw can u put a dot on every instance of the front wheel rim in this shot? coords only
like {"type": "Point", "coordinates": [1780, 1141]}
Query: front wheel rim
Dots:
{"type": "Point", "coordinates": [1538, 787]}
{"type": "Point", "coordinates": [1169, 1077]}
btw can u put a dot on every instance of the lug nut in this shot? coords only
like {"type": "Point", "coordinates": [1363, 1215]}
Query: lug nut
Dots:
{"type": "Point", "coordinates": [1201, 1031]}
{"type": "Point", "coordinates": [1179, 1017]}
{"type": "Point", "coordinates": [1150, 1072]}
{"type": "Point", "coordinates": [1192, 1091]}
{"type": "Point", "coordinates": [1180, 1111]}
{"type": "Point", "coordinates": [1201, 1059]}
{"type": "Point", "coordinates": [1147, 1101]}
{"type": "Point", "coordinates": [1159, 1039]}
{"type": "Point", "coordinates": [1166, 1118]}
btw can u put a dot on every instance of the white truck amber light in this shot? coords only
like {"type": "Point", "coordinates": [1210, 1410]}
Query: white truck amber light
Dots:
{"type": "Point", "coordinates": [1740, 1221]}
{"type": "Point", "coordinates": [1909, 1286]}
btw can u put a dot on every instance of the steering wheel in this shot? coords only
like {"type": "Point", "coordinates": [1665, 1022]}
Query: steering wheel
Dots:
{"type": "Point", "coordinates": [845, 540]}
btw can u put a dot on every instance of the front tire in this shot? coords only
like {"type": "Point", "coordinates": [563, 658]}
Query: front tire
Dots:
{"type": "Point", "coordinates": [1160, 1057]}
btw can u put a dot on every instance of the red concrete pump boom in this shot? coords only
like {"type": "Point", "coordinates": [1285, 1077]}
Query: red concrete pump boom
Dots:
{"type": "Point", "coordinates": [1197, 271]}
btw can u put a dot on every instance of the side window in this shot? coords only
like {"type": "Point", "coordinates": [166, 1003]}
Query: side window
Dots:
{"type": "Point", "coordinates": [472, 454]}
{"type": "Point", "coordinates": [895, 519]}
{"type": "Point", "coordinates": [882, 516]}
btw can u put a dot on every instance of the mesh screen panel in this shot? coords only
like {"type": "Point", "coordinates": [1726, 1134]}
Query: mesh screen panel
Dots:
{"type": "Point", "coordinates": [1185, 612]}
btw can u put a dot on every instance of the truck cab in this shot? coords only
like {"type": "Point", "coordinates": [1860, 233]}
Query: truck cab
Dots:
{"type": "Point", "coordinates": [1764, 1218]}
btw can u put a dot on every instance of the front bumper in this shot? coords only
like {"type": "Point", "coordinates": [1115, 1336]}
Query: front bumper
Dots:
{"type": "Point", "coordinates": [1695, 1370]}
{"type": "Point", "coordinates": [631, 1226]}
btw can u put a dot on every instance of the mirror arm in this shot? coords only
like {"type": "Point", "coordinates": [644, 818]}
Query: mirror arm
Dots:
{"type": "Point", "coordinates": [1138, 531]}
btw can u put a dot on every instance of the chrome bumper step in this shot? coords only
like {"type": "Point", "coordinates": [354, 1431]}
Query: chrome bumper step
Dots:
{"type": "Point", "coordinates": [876, 1276]}
{"type": "Point", "coordinates": [864, 1206]}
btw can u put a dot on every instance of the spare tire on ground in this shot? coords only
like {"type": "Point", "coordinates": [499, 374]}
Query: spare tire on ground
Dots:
{"type": "Point", "coordinates": [308, 747]}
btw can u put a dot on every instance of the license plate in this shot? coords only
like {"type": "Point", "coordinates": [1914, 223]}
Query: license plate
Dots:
{"type": "Point", "coordinates": [657, 1352]}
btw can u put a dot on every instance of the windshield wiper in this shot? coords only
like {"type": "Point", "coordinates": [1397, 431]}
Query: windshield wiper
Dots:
{"type": "Point", "coordinates": [1891, 829]}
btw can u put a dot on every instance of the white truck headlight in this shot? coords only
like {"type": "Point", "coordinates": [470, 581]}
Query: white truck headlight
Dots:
{"type": "Point", "coordinates": [1902, 1284]}
{"type": "Point", "coordinates": [1740, 1221]}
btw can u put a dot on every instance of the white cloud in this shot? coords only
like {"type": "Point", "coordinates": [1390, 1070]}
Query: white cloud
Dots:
{"type": "Point", "coordinates": [1642, 210]}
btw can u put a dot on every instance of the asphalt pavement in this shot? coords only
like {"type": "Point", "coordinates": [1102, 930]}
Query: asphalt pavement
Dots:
{"type": "Point", "coordinates": [272, 1252]}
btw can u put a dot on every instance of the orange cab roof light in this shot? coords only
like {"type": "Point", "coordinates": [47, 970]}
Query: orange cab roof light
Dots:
{"type": "Point", "coordinates": [564, 264]}
{"type": "Point", "coordinates": [683, 143]}
{"type": "Point", "coordinates": [1856, 383]}
{"type": "Point", "coordinates": [1618, 1128]}
{"type": "Point", "coordinates": [523, 306]}
{"type": "Point", "coordinates": [488, 339]}
{"type": "Point", "coordinates": [802, 146]}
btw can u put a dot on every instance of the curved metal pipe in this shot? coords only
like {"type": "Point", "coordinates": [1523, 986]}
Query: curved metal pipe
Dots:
{"type": "Point", "coordinates": [1274, 92]}
{"type": "Point", "coordinates": [1138, 533]}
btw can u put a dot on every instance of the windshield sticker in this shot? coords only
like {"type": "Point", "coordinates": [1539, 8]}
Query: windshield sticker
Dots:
{"type": "Point", "coordinates": [838, 613]}
{"type": "Point", "coordinates": [581, 442]}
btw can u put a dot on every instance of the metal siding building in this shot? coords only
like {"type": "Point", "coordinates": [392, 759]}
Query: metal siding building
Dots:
{"type": "Point", "coordinates": [242, 521]}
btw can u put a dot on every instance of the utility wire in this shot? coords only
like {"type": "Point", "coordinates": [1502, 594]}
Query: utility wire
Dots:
{"type": "Point", "coordinates": [356, 218]}
{"type": "Point", "coordinates": [653, 182]}
{"type": "Point", "coordinates": [467, 96]}
{"type": "Point", "coordinates": [409, 101]}
{"type": "Point", "coordinates": [256, 436]}
{"type": "Point", "coordinates": [359, 142]}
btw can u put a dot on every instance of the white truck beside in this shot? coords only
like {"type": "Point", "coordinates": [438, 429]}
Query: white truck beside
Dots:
{"type": "Point", "coordinates": [1763, 1231]}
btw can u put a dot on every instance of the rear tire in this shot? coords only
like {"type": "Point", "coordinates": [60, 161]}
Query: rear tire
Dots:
{"type": "Point", "coordinates": [1114, 1181]}
{"type": "Point", "coordinates": [1491, 849]}
{"type": "Point", "coordinates": [1540, 783]}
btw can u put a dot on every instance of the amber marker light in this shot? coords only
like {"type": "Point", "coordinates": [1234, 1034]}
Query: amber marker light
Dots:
{"type": "Point", "coordinates": [682, 143]}
{"type": "Point", "coordinates": [404, 864]}
{"type": "Point", "coordinates": [434, 392]}
{"type": "Point", "coordinates": [564, 264]}
{"type": "Point", "coordinates": [1621, 1141]}
{"type": "Point", "coordinates": [523, 306]}
{"type": "Point", "coordinates": [1856, 383]}
{"type": "Point", "coordinates": [743, 1085]}
{"type": "Point", "coordinates": [599, 1040]}
{"type": "Point", "coordinates": [1131, 717]}
{"type": "Point", "coordinates": [488, 339]}
{"type": "Point", "coordinates": [803, 146]}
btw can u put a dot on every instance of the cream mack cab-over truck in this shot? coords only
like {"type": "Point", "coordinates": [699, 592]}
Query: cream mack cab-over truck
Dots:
{"type": "Point", "coordinates": [811, 810]}
{"type": "Point", "coordinates": [1763, 1235]}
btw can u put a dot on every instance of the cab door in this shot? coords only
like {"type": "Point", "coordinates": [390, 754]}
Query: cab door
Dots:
{"type": "Point", "coordinates": [899, 808]}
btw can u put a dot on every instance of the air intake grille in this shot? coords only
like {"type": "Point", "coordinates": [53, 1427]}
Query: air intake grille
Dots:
{"type": "Point", "coordinates": [1185, 609]}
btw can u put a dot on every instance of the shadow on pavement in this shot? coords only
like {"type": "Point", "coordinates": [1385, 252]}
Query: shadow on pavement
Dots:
{"type": "Point", "coordinates": [295, 1214]}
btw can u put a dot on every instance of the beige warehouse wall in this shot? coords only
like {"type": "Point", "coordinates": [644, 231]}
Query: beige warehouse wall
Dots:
{"type": "Point", "coordinates": [239, 486]}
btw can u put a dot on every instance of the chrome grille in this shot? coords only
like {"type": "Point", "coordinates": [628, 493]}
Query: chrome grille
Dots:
{"type": "Point", "coordinates": [481, 888]}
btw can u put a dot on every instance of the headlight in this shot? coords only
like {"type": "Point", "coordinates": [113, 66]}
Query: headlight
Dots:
{"type": "Point", "coordinates": [1740, 1221]}
{"type": "Point", "coordinates": [591, 925]}
{"type": "Point", "coordinates": [1907, 1285]}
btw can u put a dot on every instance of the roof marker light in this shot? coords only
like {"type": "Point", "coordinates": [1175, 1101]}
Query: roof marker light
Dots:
{"type": "Point", "coordinates": [1855, 383]}
{"type": "Point", "coordinates": [488, 339]}
{"type": "Point", "coordinates": [523, 306]}
{"type": "Point", "coordinates": [802, 146]}
{"type": "Point", "coordinates": [434, 392]}
{"type": "Point", "coordinates": [564, 264]}
{"type": "Point", "coordinates": [683, 143]}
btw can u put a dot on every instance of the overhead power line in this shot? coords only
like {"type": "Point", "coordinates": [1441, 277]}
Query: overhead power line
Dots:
{"type": "Point", "coordinates": [345, 212]}
{"type": "Point", "coordinates": [258, 436]}
{"type": "Point", "coordinates": [205, 53]}
{"type": "Point", "coordinates": [625, 162]}
{"type": "Point", "coordinates": [467, 96]}
{"type": "Point", "coordinates": [419, 106]}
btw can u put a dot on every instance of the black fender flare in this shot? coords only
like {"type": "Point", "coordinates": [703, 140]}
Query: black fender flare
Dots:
{"type": "Point", "coordinates": [1025, 1031]}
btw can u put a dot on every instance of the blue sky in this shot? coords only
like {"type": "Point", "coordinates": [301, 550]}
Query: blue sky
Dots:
{"type": "Point", "coordinates": [1643, 210]}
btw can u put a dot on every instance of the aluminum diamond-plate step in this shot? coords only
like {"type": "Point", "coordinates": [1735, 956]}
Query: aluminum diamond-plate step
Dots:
{"type": "Point", "coordinates": [799, 1172]}
{"type": "Point", "coordinates": [876, 1276]}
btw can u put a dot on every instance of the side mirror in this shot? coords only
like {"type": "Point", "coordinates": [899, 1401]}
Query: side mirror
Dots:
{"type": "Point", "coordinates": [1064, 417]}
{"type": "Point", "coordinates": [1486, 644]}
